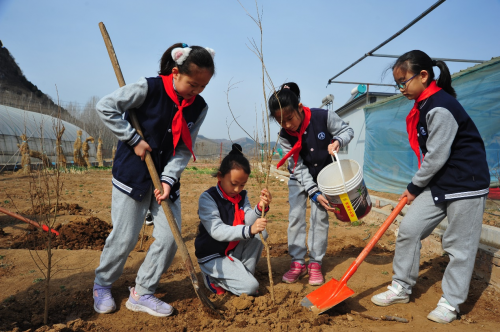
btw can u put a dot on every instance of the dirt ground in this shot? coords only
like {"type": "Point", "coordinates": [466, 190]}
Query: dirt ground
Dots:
{"type": "Point", "coordinates": [84, 222]}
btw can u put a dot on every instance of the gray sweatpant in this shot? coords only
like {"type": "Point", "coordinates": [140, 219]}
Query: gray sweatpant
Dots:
{"type": "Point", "coordinates": [128, 216]}
{"type": "Point", "coordinates": [460, 241]}
{"type": "Point", "coordinates": [318, 228]}
{"type": "Point", "coordinates": [236, 276]}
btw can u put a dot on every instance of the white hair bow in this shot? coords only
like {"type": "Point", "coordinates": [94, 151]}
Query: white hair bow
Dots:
{"type": "Point", "coordinates": [211, 51]}
{"type": "Point", "coordinates": [180, 54]}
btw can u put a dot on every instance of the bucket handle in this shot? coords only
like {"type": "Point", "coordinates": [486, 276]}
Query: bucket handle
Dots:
{"type": "Point", "coordinates": [340, 168]}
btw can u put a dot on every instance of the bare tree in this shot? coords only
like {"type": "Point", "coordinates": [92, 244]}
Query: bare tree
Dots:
{"type": "Point", "coordinates": [264, 151]}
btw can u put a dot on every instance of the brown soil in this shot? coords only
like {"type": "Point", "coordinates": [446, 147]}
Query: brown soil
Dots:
{"type": "Point", "coordinates": [90, 233]}
{"type": "Point", "coordinates": [71, 304]}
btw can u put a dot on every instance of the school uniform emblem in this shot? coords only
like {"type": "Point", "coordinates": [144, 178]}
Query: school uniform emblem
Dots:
{"type": "Point", "coordinates": [190, 124]}
{"type": "Point", "coordinates": [321, 136]}
{"type": "Point", "coordinates": [422, 131]}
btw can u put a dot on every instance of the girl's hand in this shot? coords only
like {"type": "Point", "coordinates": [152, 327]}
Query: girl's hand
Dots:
{"type": "Point", "coordinates": [265, 198]}
{"type": "Point", "coordinates": [324, 203]}
{"type": "Point", "coordinates": [166, 193]}
{"type": "Point", "coordinates": [258, 226]}
{"type": "Point", "coordinates": [141, 148]}
{"type": "Point", "coordinates": [335, 146]}
{"type": "Point", "coordinates": [409, 195]}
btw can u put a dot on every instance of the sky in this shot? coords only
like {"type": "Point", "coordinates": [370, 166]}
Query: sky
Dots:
{"type": "Point", "coordinates": [58, 43]}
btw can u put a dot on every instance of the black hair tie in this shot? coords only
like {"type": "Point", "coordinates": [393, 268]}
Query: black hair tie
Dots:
{"type": "Point", "coordinates": [434, 62]}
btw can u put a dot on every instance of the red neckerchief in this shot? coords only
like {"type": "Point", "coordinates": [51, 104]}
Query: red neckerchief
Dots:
{"type": "Point", "coordinates": [239, 217]}
{"type": "Point", "coordinates": [414, 116]}
{"type": "Point", "coordinates": [179, 125]}
{"type": "Point", "coordinates": [298, 145]}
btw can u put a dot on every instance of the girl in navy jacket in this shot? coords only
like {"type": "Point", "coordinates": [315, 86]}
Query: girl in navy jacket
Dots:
{"type": "Point", "coordinates": [226, 246]}
{"type": "Point", "coordinates": [452, 181]}
{"type": "Point", "coordinates": [308, 137]}
{"type": "Point", "coordinates": [170, 112]}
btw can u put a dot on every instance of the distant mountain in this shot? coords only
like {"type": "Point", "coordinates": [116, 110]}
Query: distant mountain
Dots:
{"type": "Point", "coordinates": [247, 144]}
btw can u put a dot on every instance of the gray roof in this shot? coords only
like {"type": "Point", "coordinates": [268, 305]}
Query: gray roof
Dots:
{"type": "Point", "coordinates": [360, 101]}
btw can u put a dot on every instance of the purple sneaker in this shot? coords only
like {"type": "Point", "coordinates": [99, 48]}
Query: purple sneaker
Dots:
{"type": "Point", "coordinates": [103, 300]}
{"type": "Point", "coordinates": [148, 303]}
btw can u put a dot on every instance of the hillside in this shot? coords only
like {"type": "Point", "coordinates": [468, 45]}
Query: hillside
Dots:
{"type": "Point", "coordinates": [246, 143]}
{"type": "Point", "coordinates": [17, 91]}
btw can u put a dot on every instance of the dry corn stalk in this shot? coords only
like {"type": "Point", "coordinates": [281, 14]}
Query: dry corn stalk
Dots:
{"type": "Point", "coordinates": [77, 154]}
{"type": "Point", "coordinates": [25, 155]}
{"type": "Point", "coordinates": [61, 158]}
{"type": "Point", "coordinates": [85, 149]}
{"type": "Point", "coordinates": [99, 153]}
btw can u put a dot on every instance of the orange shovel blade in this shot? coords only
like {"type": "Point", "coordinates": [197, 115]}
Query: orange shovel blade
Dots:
{"type": "Point", "coordinates": [327, 296]}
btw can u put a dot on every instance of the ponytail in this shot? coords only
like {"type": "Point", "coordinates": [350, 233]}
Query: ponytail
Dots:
{"type": "Point", "coordinates": [287, 97]}
{"type": "Point", "coordinates": [198, 55]}
{"type": "Point", "coordinates": [444, 80]}
{"type": "Point", "coordinates": [415, 61]}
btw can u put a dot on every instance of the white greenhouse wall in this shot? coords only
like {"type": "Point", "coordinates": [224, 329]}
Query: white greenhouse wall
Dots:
{"type": "Point", "coordinates": [39, 129]}
{"type": "Point", "coordinates": [356, 148]}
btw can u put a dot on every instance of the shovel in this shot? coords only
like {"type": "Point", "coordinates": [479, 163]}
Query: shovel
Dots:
{"type": "Point", "coordinates": [334, 292]}
{"type": "Point", "coordinates": [188, 264]}
{"type": "Point", "coordinates": [29, 221]}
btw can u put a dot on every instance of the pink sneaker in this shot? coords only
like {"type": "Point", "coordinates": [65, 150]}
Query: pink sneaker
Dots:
{"type": "Point", "coordinates": [315, 276]}
{"type": "Point", "coordinates": [296, 271]}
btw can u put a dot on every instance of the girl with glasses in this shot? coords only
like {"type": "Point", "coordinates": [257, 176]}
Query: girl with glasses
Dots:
{"type": "Point", "coordinates": [452, 181]}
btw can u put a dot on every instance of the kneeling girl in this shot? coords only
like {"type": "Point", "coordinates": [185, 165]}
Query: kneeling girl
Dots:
{"type": "Point", "coordinates": [226, 246]}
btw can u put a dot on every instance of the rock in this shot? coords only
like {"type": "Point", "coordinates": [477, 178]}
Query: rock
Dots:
{"type": "Point", "coordinates": [243, 302]}
{"type": "Point", "coordinates": [58, 327]}
{"type": "Point", "coordinates": [349, 318]}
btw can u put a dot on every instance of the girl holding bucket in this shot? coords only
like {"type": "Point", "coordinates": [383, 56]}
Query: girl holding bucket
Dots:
{"type": "Point", "coordinates": [308, 138]}
{"type": "Point", "coordinates": [452, 181]}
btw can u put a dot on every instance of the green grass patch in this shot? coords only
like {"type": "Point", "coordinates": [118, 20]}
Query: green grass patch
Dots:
{"type": "Point", "coordinates": [196, 170]}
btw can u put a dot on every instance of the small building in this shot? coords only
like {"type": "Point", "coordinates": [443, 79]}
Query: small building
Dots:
{"type": "Point", "coordinates": [352, 113]}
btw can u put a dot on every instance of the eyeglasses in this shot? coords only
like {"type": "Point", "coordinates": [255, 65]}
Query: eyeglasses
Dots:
{"type": "Point", "coordinates": [402, 85]}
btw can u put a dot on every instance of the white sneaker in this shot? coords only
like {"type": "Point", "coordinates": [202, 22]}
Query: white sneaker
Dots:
{"type": "Point", "coordinates": [444, 312]}
{"type": "Point", "coordinates": [395, 294]}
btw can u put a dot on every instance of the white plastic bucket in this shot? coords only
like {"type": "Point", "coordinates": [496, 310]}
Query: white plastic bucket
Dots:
{"type": "Point", "coordinates": [335, 180]}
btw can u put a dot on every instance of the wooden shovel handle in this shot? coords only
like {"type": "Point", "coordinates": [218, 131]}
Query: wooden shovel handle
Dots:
{"type": "Point", "coordinates": [361, 257]}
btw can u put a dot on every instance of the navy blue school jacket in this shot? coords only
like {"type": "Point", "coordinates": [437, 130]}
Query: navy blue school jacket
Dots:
{"type": "Point", "coordinates": [155, 115]}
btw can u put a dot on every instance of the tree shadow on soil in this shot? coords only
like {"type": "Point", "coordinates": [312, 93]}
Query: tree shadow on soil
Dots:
{"type": "Point", "coordinates": [71, 298]}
